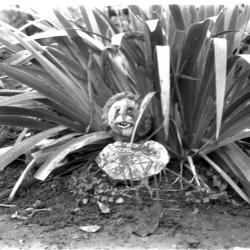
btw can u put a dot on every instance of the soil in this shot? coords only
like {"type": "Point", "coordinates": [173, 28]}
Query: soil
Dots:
{"type": "Point", "coordinates": [221, 223]}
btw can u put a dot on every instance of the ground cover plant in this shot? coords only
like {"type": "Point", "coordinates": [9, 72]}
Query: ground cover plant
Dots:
{"type": "Point", "coordinates": [189, 56]}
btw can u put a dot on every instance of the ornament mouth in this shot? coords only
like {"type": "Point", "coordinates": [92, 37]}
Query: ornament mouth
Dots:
{"type": "Point", "coordinates": [124, 124]}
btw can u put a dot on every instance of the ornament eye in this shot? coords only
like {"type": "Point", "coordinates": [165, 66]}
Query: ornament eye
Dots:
{"type": "Point", "coordinates": [130, 110]}
{"type": "Point", "coordinates": [117, 110]}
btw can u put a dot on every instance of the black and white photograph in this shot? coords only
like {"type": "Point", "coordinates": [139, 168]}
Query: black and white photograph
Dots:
{"type": "Point", "coordinates": [124, 125]}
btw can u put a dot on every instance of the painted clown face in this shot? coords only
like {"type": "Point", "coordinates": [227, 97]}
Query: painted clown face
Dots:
{"type": "Point", "coordinates": [122, 116]}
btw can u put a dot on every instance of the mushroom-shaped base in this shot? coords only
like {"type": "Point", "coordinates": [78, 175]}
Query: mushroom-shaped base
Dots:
{"type": "Point", "coordinates": [121, 162]}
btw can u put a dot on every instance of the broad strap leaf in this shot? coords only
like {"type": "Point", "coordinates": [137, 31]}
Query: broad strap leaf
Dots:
{"type": "Point", "coordinates": [220, 53]}
{"type": "Point", "coordinates": [26, 145]}
{"type": "Point", "coordinates": [177, 16]}
{"type": "Point", "coordinates": [25, 122]}
{"type": "Point", "coordinates": [163, 61]}
{"type": "Point", "coordinates": [45, 115]}
{"type": "Point", "coordinates": [238, 161]}
{"type": "Point", "coordinates": [226, 177]}
{"type": "Point", "coordinates": [54, 160]}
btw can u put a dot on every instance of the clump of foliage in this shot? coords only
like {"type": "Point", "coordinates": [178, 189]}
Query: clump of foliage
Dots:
{"type": "Point", "coordinates": [91, 189]}
{"type": "Point", "coordinates": [202, 103]}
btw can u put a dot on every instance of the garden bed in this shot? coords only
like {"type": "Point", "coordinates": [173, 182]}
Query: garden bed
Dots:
{"type": "Point", "coordinates": [219, 224]}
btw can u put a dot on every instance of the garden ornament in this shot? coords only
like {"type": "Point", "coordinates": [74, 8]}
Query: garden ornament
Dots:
{"type": "Point", "coordinates": [123, 160]}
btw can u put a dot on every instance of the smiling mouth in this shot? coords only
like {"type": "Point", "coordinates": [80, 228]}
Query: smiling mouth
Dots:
{"type": "Point", "coordinates": [124, 124]}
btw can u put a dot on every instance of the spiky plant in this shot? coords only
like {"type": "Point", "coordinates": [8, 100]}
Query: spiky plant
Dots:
{"type": "Point", "coordinates": [71, 78]}
{"type": "Point", "coordinates": [202, 104]}
{"type": "Point", "coordinates": [210, 92]}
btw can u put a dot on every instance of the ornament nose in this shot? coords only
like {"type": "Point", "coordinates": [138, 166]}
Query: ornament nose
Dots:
{"type": "Point", "coordinates": [123, 111]}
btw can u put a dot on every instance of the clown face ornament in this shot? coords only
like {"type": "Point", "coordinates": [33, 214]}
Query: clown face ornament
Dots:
{"type": "Point", "coordinates": [119, 160]}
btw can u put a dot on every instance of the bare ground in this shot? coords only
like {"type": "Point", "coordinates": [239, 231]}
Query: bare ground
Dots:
{"type": "Point", "coordinates": [218, 224]}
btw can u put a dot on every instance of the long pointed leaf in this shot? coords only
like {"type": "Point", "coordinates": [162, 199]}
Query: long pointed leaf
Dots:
{"type": "Point", "coordinates": [49, 90]}
{"type": "Point", "coordinates": [20, 179]}
{"type": "Point", "coordinates": [26, 145]}
{"type": "Point", "coordinates": [20, 97]}
{"type": "Point", "coordinates": [20, 121]}
{"type": "Point", "coordinates": [236, 137]}
{"type": "Point", "coordinates": [10, 92]}
{"type": "Point", "coordinates": [226, 177]}
{"type": "Point", "coordinates": [177, 16]}
{"type": "Point", "coordinates": [55, 160]}
{"type": "Point", "coordinates": [62, 78]}
{"type": "Point", "coordinates": [192, 47]}
{"type": "Point", "coordinates": [238, 161]}
{"type": "Point", "coordinates": [163, 59]}
{"type": "Point", "coordinates": [220, 51]}
{"type": "Point", "coordinates": [42, 114]}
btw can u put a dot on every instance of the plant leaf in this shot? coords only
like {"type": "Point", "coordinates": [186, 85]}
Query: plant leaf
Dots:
{"type": "Point", "coordinates": [20, 179]}
{"type": "Point", "coordinates": [195, 43]}
{"type": "Point", "coordinates": [144, 104]}
{"type": "Point", "coordinates": [177, 16]}
{"type": "Point", "coordinates": [19, 57]}
{"type": "Point", "coordinates": [163, 60]}
{"type": "Point", "coordinates": [55, 160]}
{"type": "Point", "coordinates": [26, 145]}
{"type": "Point", "coordinates": [10, 92]}
{"type": "Point", "coordinates": [227, 140]}
{"type": "Point", "coordinates": [220, 52]}
{"type": "Point", "coordinates": [226, 177]}
{"type": "Point", "coordinates": [20, 97]}
{"type": "Point", "coordinates": [238, 161]}
{"type": "Point", "coordinates": [193, 169]}
{"type": "Point", "coordinates": [45, 115]}
{"type": "Point", "coordinates": [20, 121]}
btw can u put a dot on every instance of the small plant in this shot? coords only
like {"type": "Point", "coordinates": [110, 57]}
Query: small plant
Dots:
{"type": "Point", "coordinates": [95, 190]}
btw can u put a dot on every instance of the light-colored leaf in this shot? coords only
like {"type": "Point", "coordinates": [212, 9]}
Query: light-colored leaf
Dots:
{"type": "Point", "coordinates": [117, 39]}
{"type": "Point", "coordinates": [4, 150]}
{"type": "Point", "coordinates": [21, 97]}
{"type": "Point", "coordinates": [55, 160]}
{"type": "Point", "coordinates": [21, 136]}
{"type": "Point", "coordinates": [163, 61]}
{"type": "Point", "coordinates": [90, 20]}
{"type": "Point", "coordinates": [119, 200]}
{"type": "Point", "coordinates": [152, 24]}
{"type": "Point", "coordinates": [46, 147]}
{"type": "Point", "coordinates": [246, 57]}
{"type": "Point", "coordinates": [105, 209]}
{"type": "Point", "coordinates": [21, 178]}
{"type": "Point", "coordinates": [19, 58]}
{"type": "Point", "coordinates": [26, 145]}
{"type": "Point", "coordinates": [193, 169]}
{"type": "Point", "coordinates": [220, 53]}
{"type": "Point", "coordinates": [90, 229]}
